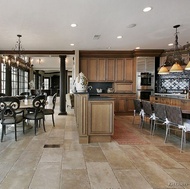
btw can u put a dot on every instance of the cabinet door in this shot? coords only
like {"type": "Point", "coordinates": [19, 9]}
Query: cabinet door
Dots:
{"type": "Point", "coordinates": [101, 72]}
{"type": "Point", "coordinates": [84, 66]}
{"type": "Point", "coordinates": [121, 105]}
{"type": "Point", "coordinates": [110, 70]}
{"type": "Point", "coordinates": [128, 70]}
{"type": "Point", "coordinates": [130, 105]}
{"type": "Point", "coordinates": [119, 69]}
{"type": "Point", "coordinates": [92, 69]}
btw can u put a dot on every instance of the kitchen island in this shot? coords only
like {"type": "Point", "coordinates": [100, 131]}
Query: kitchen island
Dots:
{"type": "Point", "coordinates": [181, 100]}
{"type": "Point", "coordinates": [94, 117]}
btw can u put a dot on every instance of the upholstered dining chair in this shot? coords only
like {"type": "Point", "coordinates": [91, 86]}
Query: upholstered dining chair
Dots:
{"type": "Point", "coordinates": [148, 113]}
{"type": "Point", "coordinates": [37, 112]}
{"type": "Point", "coordinates": [160, 115]}
{"type": "Point", "coordinates": [50, 111]}
{"type": "Point", "coordinates": [2, 94]}
{"type": "Point", "coordinates": [137, 109]}
{"type": "Point", "coordinates": [9, 115]}
{"type": "Point", "coordinates": [175, 121]}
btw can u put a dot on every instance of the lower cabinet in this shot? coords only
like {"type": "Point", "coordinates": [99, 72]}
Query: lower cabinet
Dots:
{"type": "Point", "coordinates": [123, 103]}
{"type": "Point", "coordinates": [94, 118]}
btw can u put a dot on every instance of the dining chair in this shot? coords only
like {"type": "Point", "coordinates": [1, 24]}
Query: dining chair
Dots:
{"type": "Point", "coordinates": [160, 115]}
{"type": "Point", "coordinates": [137, 109]}
{"type": "Point", "coordinates": [2, 94]}
{"type": "Point", "coordinates": [50, 111]}
{"type": "Point", "coordinates": [175, 121]}
{"type": "Point", "coordinates": [148, 113]}
{"type": "Point", "coordinates": [9, 115]}
{"type": "Point", "coordinates": [36, 113]}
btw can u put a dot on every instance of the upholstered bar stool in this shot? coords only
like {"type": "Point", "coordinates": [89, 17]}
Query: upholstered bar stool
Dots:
{"type": "Point", "coordinates": [175, 121]}
{"type": "Point", "coordinates": [160, 115]}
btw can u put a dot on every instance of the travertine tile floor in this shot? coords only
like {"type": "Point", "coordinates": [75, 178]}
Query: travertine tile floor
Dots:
{"type": "Point", "coordinates": [27, 164]}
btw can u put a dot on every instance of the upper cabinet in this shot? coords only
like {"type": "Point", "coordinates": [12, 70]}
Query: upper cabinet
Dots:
{"type": "Point", "coordinates": [124, 70]}
{"type": "Point", "coordinates": [108, 69]}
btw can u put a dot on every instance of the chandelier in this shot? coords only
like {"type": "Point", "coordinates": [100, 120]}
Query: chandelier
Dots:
{"type": "Point", "coordinates": [174, 60]}
{"type": "Point", "coordinates": [17, 59]}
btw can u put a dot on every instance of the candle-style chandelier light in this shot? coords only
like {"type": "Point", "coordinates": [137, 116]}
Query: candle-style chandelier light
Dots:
{"type": "Point", "coordinates": [17, 59]}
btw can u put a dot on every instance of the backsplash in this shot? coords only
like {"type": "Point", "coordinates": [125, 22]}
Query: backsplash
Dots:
{"type": "Point", "coordinates": [174, 82]}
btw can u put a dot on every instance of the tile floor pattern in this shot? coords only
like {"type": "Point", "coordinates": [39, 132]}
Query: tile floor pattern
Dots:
{"type": "Point", "coordinates": [27, 164]}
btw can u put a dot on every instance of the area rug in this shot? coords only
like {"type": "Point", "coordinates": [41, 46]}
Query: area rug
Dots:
{"type": "Point", "coordinates": [125, 134]}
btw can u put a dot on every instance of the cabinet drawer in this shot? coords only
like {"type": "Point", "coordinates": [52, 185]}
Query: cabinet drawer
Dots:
{"type": "Point", "coordinates": [123, 87]}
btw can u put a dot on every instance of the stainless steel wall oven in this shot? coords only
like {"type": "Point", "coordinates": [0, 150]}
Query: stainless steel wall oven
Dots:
{"type": "Point", "coordinates": [145, 85]}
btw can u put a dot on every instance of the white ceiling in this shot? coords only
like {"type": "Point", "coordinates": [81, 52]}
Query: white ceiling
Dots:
{"type": "Point", "coordinates": [45, 24]}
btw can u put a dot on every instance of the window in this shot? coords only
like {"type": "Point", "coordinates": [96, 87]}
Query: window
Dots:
{"type": "Point", "coordinates": [23, 81]}
{"type": "Point", "coordinates": [3, 78]}
{"type": "Point", "coordinates": [46, 83]}
{"type": "Point", "coordinates": [14, 81]}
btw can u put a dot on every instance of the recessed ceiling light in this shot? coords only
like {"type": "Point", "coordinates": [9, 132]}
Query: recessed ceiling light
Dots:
{"type": "Point", "coordinates": [170, 44]}
{"type": "Point", "coordinates": [119, 37]}
{"type": "Point", "coordinates": [73, 25]}
{"type": "Point", "coordinates": [137, 48]}
{"type": "Point", "coordinates": [147, 9]}
{"type": "Point", "coordinates": [72, 44]}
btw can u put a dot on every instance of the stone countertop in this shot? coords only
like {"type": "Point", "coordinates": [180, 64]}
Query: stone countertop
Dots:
{"type": "Point", "coordinates": [99, 98]}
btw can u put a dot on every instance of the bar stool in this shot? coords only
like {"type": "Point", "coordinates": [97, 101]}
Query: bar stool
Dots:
{"type": "Point", "coordinates": [148, 113]}
{"type": "Point", "coordinates": [175, 121]}
{"type": "Point", "coordinates": [160, 115]}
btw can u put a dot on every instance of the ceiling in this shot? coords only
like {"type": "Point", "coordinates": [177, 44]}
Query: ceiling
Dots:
{"type": "Point", "coordinates": [46, 24]}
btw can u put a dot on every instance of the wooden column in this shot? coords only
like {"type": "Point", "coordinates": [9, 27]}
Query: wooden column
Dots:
{"type": "Point", "coordinates": [63, 86]}
{"type": "Point", "coordinates": [8, 85]}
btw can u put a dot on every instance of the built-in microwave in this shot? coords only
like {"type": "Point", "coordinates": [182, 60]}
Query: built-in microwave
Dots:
{"type": "Point", "coordinates": [145, 79]}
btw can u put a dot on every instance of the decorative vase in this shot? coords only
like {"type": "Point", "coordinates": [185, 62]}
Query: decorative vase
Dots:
{"type": "Point", "coordinates": [81, 83]}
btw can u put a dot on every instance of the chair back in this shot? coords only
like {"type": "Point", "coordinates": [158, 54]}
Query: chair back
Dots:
{"type": "Point", "coordinates": [39, 103]}
{"type": "Point", "coordinates": [137, 105]}
{"type": "Point", "coordinates": [25, 93]}
{"type": "Point", "coordinates": [147, 107]}
{"type": "Point", "coordinates": [8, 107]}
{"type": "Point", "coordinates": [160, 111]}
{"type": "Point", "coordinates": [54, 100]}
{"type": "Point", "coordinates": [174, 114]}
{"type": "Point", "coordinates": [2, 94]}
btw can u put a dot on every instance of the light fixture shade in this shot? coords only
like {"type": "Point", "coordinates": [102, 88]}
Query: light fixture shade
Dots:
{"type": "Point", "coordinates": [176, 68]}
{"type": "Point", "coordinates": [163, 70]}
{"type": "Point", "coordinates": [188, 66]}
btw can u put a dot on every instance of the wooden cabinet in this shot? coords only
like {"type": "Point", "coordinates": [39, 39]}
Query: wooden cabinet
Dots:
{"type": "Point", "coordinates": [92, 69]}
{"type": "Point", "coordinates": [119, 70]}
{"type": "Point", "coordinates": [101, 70]}
{"type": "Point", "coordinates": [110, 70]}
{"type": "Point", "coordinates": [84, 66]}
{"type": "Point", "coordinates": [123, 103]}
{"type": "Point", "coordinates": [124, 70]}
{"type": "Point", "coordinates": [94, 118]}
{"type": "Point", "coordinates": [128, 70]}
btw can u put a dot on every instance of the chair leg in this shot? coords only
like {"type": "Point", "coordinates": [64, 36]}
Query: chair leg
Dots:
{"type": "Point", "coordinates": [2, 133]}
{"type": "Point", "coordinates": [53, 120]}
{"type": "Point", "coordinates": [182, 140]}
{"type": "Point", "coordinates": [44, 125]}
{"type": "Point", "coordinates": [15, 133]}
{"type": "Point", "coordinates": [35, 126]}
{"type": "Point", "coordinates": [167, 130]}
{"type": "Point", "coordinates": [134, 117]}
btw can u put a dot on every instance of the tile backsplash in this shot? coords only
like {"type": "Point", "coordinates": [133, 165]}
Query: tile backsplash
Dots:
{"type": "Point", "coordinates": [174, 82]}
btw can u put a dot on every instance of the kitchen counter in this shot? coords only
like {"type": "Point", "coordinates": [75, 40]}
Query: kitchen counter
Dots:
{"type": "Point", "coordinates": [172, 95]}
{"type": "Point", "coordinates": [94, 117]}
